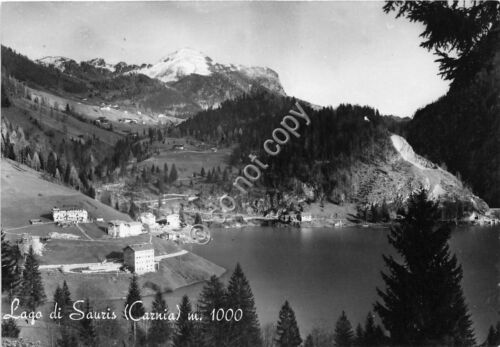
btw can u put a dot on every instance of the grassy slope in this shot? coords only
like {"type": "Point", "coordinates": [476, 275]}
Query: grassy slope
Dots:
{"type": "Point", "coordinates": [188, 161]}
{"type": "Point", "coordinates": [20, 114]}
{"type": "Point", "coordinates": [26, 195]}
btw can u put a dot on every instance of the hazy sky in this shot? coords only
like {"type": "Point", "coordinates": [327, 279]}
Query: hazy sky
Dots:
{"type": "Point", "coordinates": [324, 52]}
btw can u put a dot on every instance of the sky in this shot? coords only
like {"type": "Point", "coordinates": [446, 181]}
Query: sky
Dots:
{"type": "Point", "coordinates": [324, 52]}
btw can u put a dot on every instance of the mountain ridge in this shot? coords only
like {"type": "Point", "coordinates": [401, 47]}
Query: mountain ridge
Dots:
{"type": "Point", "coordinates": [181, 84]}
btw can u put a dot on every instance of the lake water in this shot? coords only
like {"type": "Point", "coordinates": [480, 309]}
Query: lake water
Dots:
{"type": "Point", "coordinates": [322, 271]}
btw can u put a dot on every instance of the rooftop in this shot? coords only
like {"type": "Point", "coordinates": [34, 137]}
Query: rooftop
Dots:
{"type": "Point", "coordinates": [140, 247]}
{"type": "Point", "coordinates": [68, 208]}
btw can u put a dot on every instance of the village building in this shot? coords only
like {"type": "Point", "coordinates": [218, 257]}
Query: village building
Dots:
{"type": "Point", "coordinates": [147, 218]}
{"type": "Point", "coordinates": [69, 214]}
{"type": "Point", "coordinates": [118, 228]}
{"type": "Point", "coordinates": [306, 218]}
{"type": "Point", "coordinates": [140, 258]}
{"type": "Point", "coordinates": [172, 221]}
{"type": "Point", "coordinates": [178, 147]}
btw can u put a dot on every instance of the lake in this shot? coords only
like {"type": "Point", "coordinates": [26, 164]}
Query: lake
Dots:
{"type": "Point", "coordinates": [322, 271]}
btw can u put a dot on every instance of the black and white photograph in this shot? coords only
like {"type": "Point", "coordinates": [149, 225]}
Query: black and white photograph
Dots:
{"type": "Point", "coordinates": [250, 173]}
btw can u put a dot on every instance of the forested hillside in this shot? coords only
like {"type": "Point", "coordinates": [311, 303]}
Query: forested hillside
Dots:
{"type": "Point", "coordinates": [462, 128]}
{"type": "Point", "coordinates": [346, 154]}
{"type": "Point", "coordinates": [148, 87]}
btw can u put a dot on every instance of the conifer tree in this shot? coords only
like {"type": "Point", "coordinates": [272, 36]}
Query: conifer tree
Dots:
{"type": "Point", "coordinates": [212, 297]}
{"type": "Point", "coordinates": [52, 163]}
{"type": "Point", "coordinates": [423, 303]}
{"type": "Point", "coordinates": [373, 335]}
{"type": "Point", "coordinates": [58, 299]}
{"type": "Point", "coordinates": [88, 334]}
{"type": "Point", "coordinates": [10, 328]}
{"type": "Point", "coordinates": [184, 328]}
{"type": "Point", "coordinates": [137, 311]}
{"type": "Point", "coordinates": [359, 339]}
{"type": "Point", "coordinates": [134, 210]}
{"type": "Point", "coordinates": [31, 290]}
{"type": "Point", "coordinates": [287, 331]}
{"type": "Point", "coordinates": [160, 330]}
{"type": "Point", "coordinates": [309, 341]}
{"type": "Point", "coordinates": [246, 332]}
{"type": "Point", "coordinates": [67, 339]}
{"type": "Point", "coordinates": [11, 275]}
{"type": "Point", "coordinates": [173, 174]}
{"type": "Point", "coordinates": [62, 297]}
{"type": "Point", "coordinates": [343, 335]}
{"type": "Point", "coordinates": [493, 338]}
{"type": "Point", "coordinates": [197, 219]}
{"type": "Point", "coordinates": [67, 173]}
{"type": "Point", "coordinates": [202, 172]}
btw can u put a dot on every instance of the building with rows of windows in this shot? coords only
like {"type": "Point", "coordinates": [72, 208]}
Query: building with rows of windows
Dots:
{"type": "Point", "coordinates": [69, 214]}
{"type": "Point", "coordinates": [119, 228]}
{"type": "Point", "coordinates": [140, 258]}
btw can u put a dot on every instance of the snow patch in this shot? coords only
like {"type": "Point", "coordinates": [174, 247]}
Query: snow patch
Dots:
{"type": "Point", "coordinates": [179, 64]}
{"type": "Point", "coordinates": [57, 62]}
{"type": "Point", "coordinates": [101, 64]}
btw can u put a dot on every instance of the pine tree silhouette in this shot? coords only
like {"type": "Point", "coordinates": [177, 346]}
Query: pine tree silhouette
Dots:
{"type": "Point", "coordinates": [246, 332]}
{"type": "Point", "coordinates": [423, 303]}
{"type": "Point", "coordinates": [309, 341]}
{"type": "Point", "coordinates": [160, 330]}
{"type": "Point", "coordinates": [173, 174]}
{"type": "Point", "coordinates": [184, 328]}
{"type": "Point", "coordinates": [88, 333]}
{"type": "Point", "coordinates": [343, 335]}
{"type": "Point", "coordinates": [137, 311]}
{"type": "Point", "coordinates": [213, 297]}
{"type": "Point", "coordinates": [31, 290]}
{"type": "Point", "coordinates": [287, 331]}
{"type": "Point", "coordinates": [10, 328]}
{"type": "Point", "coordinates": [11, 273]}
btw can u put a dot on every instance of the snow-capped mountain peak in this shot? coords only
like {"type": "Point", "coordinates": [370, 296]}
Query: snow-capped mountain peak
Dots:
{"type": "Point", "coordinates": [174, 66]}
{"type": "Point", "coordinates": [56, 61]}
{"type": "Point", "coordinates": [101, 64]}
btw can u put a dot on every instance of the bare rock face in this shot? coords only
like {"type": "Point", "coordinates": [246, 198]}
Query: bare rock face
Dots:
{"type": "Point", "coordinates": [402, 171]}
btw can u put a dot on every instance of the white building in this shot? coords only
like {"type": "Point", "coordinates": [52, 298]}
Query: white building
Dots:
{"type": "Point", "coordinates": [306, 218]}
{"type": "Point", "coordinates": [119, 228]}
{"type": "Point", "coordinates": [69, 214]}
{"type": "Point", "coordinates": [174, 221]}
{"type": "Point", "coordinates": [140, 257]}
{"type": "Point", "coordinates": [148, 218]}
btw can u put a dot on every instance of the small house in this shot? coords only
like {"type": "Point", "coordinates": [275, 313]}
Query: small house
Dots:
{"type": "Point", "coordinates": [71, 214]}
{"type": "Point", "coordinates": [118, 228]}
